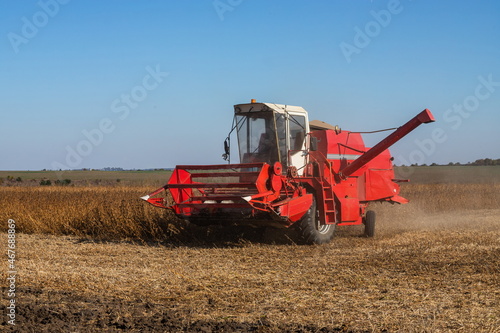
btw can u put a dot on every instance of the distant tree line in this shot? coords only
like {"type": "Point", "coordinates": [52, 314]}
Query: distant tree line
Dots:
{"type": "Point", "coordinates": [486, 161]}
{"type": "Point", "coordinates": [480, 162]}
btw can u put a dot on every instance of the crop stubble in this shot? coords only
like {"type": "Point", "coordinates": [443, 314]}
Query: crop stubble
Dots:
{"type": "Point", "coordinates": [432, 267]}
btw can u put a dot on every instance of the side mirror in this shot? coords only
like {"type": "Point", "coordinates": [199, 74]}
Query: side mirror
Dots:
{"type": "Point", "coordinates": [313, 143]}
{"type": "Point", "coordinates": [225, 156]}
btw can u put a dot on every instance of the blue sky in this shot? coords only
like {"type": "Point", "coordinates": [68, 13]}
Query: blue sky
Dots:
{"type": "Point", "coordinates": [67, 68]}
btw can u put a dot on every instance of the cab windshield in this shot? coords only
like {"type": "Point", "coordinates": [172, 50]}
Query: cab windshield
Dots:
{"type": "Point", "coordinates": [257, 137]}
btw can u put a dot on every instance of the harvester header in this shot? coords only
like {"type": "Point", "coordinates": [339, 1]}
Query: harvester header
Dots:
{"type": "Point", "coordinates": [292, 174]}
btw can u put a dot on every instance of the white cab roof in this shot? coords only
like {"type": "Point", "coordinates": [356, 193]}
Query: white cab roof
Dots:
{"type": "Point", "coordinates": [256, 107]}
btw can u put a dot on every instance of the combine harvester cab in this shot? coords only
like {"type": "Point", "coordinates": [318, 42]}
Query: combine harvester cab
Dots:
{"type": "Point", "coordinates": [308, 176]}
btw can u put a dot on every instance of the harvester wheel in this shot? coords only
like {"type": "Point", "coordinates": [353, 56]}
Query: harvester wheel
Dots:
{"type": "Point", "coordinates": [370, 223]}
{"type": "Point", "coordinates": [311, 231]}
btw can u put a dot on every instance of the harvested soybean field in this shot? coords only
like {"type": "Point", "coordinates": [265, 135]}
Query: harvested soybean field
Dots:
{"type": "Point", "coordinates": [95, 258]}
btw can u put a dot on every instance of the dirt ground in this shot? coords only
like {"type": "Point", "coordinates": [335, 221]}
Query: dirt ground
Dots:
{"type": "Point", "coordinates": [423, 272]}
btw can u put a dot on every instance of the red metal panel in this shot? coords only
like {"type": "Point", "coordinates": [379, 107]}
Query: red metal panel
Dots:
{"type": "Point", "coordinates": [180, 176]}
{"type": "Point", "coordinates": [347, 188]}
{"type": "Point", "coordinates": [211, 185]}
{"type": "Point", "coordinates": [343, 147]}
{"type": "Point", "coordinates": [220, 166]}
{"type": "Point", "coordinates": [221, 197]}
{"type": "Point", "coordinates": [295, 208]}
{"type": "Point", "coordinates": [379, 184]}
{"type": "Point", "coordinates": [349, 209]}
{"type": "Point", "coordinates": [262, 179]}
{"type": "Point", "coordinates": [199, 206]}
{"type": "Point", "coordinates": [223, 174]}
{"type": "Point", "coordinates": [399, 199]}
{"type": "Point", "coordinates": [357, 222]}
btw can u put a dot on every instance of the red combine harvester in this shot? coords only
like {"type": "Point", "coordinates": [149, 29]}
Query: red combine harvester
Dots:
{"type": "Point", "coordinates": [293, 174]}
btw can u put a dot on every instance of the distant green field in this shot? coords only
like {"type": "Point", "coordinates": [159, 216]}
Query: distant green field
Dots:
{"type": "Point", "coordinates": [419, 175]}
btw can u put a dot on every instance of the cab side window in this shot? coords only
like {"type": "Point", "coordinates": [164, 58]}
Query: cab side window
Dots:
{"type": "Point", "coordinates": [297, 132]}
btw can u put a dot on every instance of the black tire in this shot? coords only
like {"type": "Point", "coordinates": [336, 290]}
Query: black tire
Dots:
{"type": "Point", "coordinates": [310, 231]}
{"type": "Point", "coordinates": [370, 223]}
